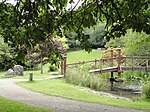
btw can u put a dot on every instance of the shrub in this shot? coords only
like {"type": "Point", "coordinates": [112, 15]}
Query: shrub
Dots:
{"type": "Point", "coordinates": [107, 53]}
{"type": "Point", "coordinates": [52, 68]}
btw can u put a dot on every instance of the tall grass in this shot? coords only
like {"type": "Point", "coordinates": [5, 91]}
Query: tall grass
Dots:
{"type": "Point", "coordinates": [146, 90]}
{"type": "Point", "coordinates": [80, 76]}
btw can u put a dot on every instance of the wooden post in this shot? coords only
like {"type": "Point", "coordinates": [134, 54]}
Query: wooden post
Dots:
{"type": "Point", "coordinates": [147, 63]}
{"type": "Point", "coordinates": [112, 80]}
{"type": "Point", "coordinates": [41, 66]}
{"type": "Point", "coordinates": [119, 62]}
{"type": "Point", "coordinates": [30, 76]}
{"type": "Point", "coordinates": [125, 63]}
{"type": "Point", "coordinates": [95, 63]}
{"type": "Point", "coordinates": [62, 67]}
{"type": "Point", "coordinates": [111, 57]}
{"type": "Point", "coordinates": [132, 63]}
{"type": "Point", "coordinates": [41, 62]}
{"type": "Point", "coordinates": [111, 65]}
{"type": "Point", "coordinates": [65, 65]}
{"type": "Point", "coordinates": [101, 65]}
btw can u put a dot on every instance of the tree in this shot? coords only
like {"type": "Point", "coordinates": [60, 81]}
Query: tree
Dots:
{"type": "Point", "coordinates": [134, 43]}
{"type": "Point", "coordinates": [32, 21]}
{"type": "Point", "coordinates": [137, 44]}
{"type": "Point", "coordinates": [41, 53]}
{"type": "Point", "coordinates": [72, 42]}
{"type": "Point", "coordinates": [96, 34]}
{"type": "Point", "coordinates": [116, 42]}
{"type": "Point", "coordinates": [7, 56]}
{"type": "Point", "coordinates": [119, 15]}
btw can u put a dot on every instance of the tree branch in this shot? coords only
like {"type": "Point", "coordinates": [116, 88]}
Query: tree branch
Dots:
{"type": "Point", "coordinates": [114, 5]}
{"type": "Point", "coordinates": [75, 5]}
{"type": "Point", "coordinates": [106, 15]}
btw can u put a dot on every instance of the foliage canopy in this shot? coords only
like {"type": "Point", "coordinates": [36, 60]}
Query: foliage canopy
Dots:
{"type": "Point", "coordinates": [29, 21]}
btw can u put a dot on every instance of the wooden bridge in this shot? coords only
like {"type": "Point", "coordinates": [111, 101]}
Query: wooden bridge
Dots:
{"type": "Point", "coordinates": [111, 64]}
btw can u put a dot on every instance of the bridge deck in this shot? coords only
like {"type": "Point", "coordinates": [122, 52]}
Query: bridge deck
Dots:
{"type": "Point", "coordinates": [103, 70]}
{"type": "Point", "coordinates": [115, 69]}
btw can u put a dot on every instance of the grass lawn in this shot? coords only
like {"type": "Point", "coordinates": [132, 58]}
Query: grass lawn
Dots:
{"type": "Point", "coordinates": [58, 87]}
{"type": "Point", "coordinates": [81, 55]}
{"type": "Point", "coordinates": [36, 74]}
{"type": "Point", "coordinates": [13, 106]}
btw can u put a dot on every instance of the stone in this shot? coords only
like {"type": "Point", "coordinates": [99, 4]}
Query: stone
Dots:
{"type": "Point", "coordinates": [10, 72]}
{"type": "Point", "coordinates": [18, 69]}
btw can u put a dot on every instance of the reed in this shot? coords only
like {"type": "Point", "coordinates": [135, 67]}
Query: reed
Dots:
{"type": "Point", "coordinates": [80, 76]}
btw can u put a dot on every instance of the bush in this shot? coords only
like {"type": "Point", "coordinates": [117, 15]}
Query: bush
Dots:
{"type": "Point", "coordinates": [146, 90]}
{"type": "Point", "coordinates": [52, 68]}
{"type": "Point", "coordinates": [107, 53]}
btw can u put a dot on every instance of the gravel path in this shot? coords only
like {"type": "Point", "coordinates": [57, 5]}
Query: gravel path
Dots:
{"type": "Point", "coordinates": [10, 90]}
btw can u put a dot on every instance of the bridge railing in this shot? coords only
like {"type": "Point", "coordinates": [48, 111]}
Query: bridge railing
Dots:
{"type": "Point", "coordinates": [112, 63]}
{"type": "Point", "coordinates": [126, 63]}
{"type": "Point", "coordinates": [135, 63]}
{"type": "Point", "coordinates": [103, 62]}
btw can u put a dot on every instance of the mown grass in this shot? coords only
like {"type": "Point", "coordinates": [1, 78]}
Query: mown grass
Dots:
{"type": "Point", "coordinates": [58, 87]}
{"type": "Point", "coordinates": [13, 106]}
{"type": "Point", "coordinates": [81, 55]}
{"type": "Point", "coordinates": [36, 74]}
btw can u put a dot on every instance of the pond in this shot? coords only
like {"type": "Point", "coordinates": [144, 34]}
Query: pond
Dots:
{"type": "Point", "coordinates": [125, 90]}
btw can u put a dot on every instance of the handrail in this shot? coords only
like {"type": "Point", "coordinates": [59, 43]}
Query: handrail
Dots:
{"type": "Point", "coordinates": [87, 61]}
{"type": "Point", "coordinates": [141, 57]}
